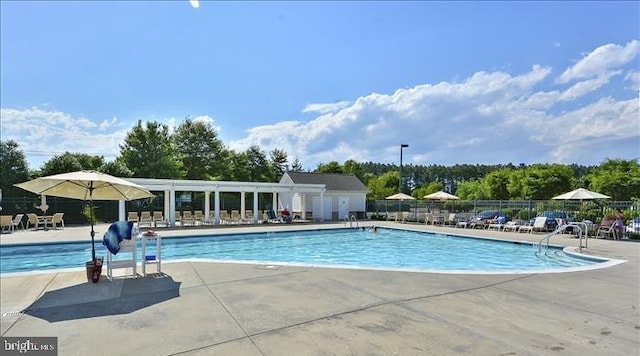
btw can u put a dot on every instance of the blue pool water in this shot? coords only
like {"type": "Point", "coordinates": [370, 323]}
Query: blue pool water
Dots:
{"type": "Point", "coordinates": [387, 248]}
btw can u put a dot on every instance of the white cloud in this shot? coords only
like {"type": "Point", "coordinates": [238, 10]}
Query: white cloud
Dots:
{"type": "Point", "coordinates": [634, 78]}
{"type": "Point", "coordinates": [488, 117]}
{"type": "Point", "coordinates": [44, 133]}
{"type": "Point", "coordinates": [325, 108]}
{"type": "Point", "coordinates": [587, 86]}
{"type": "Point", "coordinates": [601, 60]}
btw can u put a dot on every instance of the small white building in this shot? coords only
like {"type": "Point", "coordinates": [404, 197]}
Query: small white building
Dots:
{"type": "Point", "coordinates": [345, 195]}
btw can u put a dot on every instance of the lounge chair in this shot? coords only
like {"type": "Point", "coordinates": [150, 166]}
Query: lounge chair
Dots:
{"type": "Point", "coordinates": [17, 222]}
{"type": "Point", "coordinates": [198, 217]}
{"type": "Point", "coordinates": [32, 220]}
{"type": "Point", "coordinates": [158, 218]}
{"type": "Point", "coordinates": [224, 216]}
{"type": "Point", "coordinates": [6, 223]}
{"type": "Point", "coordinates": [540, 224]}
{"type": "Point", "coordinates": [273, 218]}
{"type": "Point", "coordinates": [248, 217]}
{"type": "Point", "coordinates": [187, 218]}
{"type": "Point", "coordinates": [145, 219]}
{"type": "Point", "coordinates": [56, 220]}
{"type": "Point", "coordinates": [607, 231]}
{"type": "Point", "coordinates": [451, 219]}
{"type": "Point", "coordinates": [235, 217]}
{"type": "Point", "coordinates": [132, 216]}
{"type": "Point", "coordinates": [512, 226]}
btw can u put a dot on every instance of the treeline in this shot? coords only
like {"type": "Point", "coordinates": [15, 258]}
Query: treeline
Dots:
{"type": "Point", "coordinates": [194, 151]}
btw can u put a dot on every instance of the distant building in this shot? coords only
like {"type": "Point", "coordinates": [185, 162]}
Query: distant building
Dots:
{"type": "Point", "coordinates": [345, 195]}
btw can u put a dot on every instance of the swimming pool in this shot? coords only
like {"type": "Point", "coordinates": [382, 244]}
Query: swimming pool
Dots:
{"type": "Point", "coordinates": [384, 249]}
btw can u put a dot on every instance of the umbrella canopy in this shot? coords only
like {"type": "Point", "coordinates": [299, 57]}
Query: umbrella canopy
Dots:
{"type": "Point", "coordinates": [86, 185]}
{"type": "Point", "coordinates": [400, 196]}
{"type": "Point", "coordinates": [581, 194]}
{"type": "Point", "coordinates": [441, 196]}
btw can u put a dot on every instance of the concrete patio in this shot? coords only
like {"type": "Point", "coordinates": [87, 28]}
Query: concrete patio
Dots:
{"type": "Point", "coordinates": [202, 308]}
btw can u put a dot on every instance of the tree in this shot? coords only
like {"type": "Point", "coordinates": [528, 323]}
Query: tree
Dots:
{"type": "Point", "coordinates": [259, 168]}
{"type": "Point", "coordinates": [200, 150]}
{"type": "Point", "coordinates": [352, 167]}
{"type": "Point", "coordinates": [617, 178]}
{"type": "Point", "coordinates": [13, 168]}
{"type": "Point", "coordinates": [71, 162]}
{"type": "Point", "coordinates": [278, 162]}
{"type": "Point", "coordinates": [497, 182]}
{"type": "Point", "coordinates": [149, 152]}
{"type": "Point", "coordinates": [296, 166]}
{"type": "Point", "coordinates": [384, 185]}
{"type": "Point", "coordinates": [432, 187]}
{"type": "Point", "coordinates": [474, 189]}
{"type": "Point", "coordinates": [240, 170]}
{"type": "Point", "coordinates": [116, 169]}
{"type": "Point", "coordinates": [544, 181]}
{"type": "Point", "coordinates": [331, 167]}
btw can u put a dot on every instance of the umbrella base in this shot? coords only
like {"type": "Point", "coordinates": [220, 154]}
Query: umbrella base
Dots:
{"type": "Point", "coordinates": [94, 270]}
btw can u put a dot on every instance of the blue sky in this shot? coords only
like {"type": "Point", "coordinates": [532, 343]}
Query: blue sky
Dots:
{"type": "Point", "coordinates": [460, 82]}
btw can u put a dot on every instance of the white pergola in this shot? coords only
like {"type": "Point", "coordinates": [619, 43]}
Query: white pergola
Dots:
{"type": "Point", "coordinates": [171, 186]}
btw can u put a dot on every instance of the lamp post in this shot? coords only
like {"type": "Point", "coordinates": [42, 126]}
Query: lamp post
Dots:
{"type": "Point", "coordinates": [404, 145]}
{"type": "Point", "coordinates": [524, 189]}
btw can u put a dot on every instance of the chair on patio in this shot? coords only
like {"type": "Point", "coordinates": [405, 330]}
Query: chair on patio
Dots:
{"type": "Point", "coordinates": [224, 216]}
{"type": "Point", "coordinates": [540, 224]}
{"type": "Point", "coordinates": [56, 220]}
{"type": "Point", "coordinates": [187, 218]}
{"type": "Point", "coordinates": [606, 229]}
{"type": "Point", "coordinates": [198, 217]}
{"type": "Point", "coordinates": [158, 218]}
{"type": "Point", "coordinates": [132, 216]}
{"type": "Point", "coordinates": [6, 223]}
{"type": "Point", "coordinates": [32, 220]}
{"type": "Point", "coordinates": [145, 219]}
{"type": "Point", "coordinates": [17, 222]}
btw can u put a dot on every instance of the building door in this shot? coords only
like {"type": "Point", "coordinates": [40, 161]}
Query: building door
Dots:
{"type": "Point", "coordinates": [343, 208]}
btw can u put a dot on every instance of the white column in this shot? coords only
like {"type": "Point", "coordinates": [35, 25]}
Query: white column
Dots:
{"type": "Point", "coordinates": [121, 213]}
{"type": "Point", "coordinates": [255, 206]}
{"type": "Point", "coordinates": [274, 202]}
{"type": "Point", "coordinates": [321, 205]}
{"type": "Point", "coordinates": [303, 205]}
{"type": "Point", "coordinates": [172, 206]}
{"type": "Point", "coordinates": [207, 205]}
{"type": "Point", "coordinates": [290, 202]}
{"type": "Point", "coordinates": [242, 205]}
{"type": "Point", "coordinates": [167, 205]}
{"type": "Point", "coordinates": [216, 205]}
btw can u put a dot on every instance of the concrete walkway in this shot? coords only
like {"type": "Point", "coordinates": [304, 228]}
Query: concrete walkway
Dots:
{"type": "Point", "coordinates": [201, 308]}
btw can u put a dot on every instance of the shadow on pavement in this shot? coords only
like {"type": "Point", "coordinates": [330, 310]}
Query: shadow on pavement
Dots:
{"type": "Point", "coordinates": [88, 300]}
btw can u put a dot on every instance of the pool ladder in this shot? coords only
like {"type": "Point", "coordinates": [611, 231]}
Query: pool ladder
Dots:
{"type": "Point", "coordinates": [351, 221]}
{"type": "Point", "coordinates": [582, 232]}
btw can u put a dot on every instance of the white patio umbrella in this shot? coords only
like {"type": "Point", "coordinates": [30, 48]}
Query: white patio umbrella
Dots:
{"type": "Point", "coordinates": [440, 195]}
{"type": "Point", "coordinates": [400, 196]}
{"type": "Point", "coordinates": [86, 185]}
{"type": "Point", "coordinates": [581, 194]}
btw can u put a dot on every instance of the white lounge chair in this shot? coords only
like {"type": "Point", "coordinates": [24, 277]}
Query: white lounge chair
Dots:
{"type": "Point", "coordinates": [17, 222]}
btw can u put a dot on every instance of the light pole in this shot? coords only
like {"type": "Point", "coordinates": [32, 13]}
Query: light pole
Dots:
{"type": "Point", "coordinates": [404, 145]}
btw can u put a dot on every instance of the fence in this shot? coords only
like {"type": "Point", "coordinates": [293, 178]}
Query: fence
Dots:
{"type": "Point", "coordinates": [516, 209]}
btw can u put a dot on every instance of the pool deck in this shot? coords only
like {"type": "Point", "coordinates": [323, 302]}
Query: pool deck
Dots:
{"type": "Point", "coordinates": [206, 308]}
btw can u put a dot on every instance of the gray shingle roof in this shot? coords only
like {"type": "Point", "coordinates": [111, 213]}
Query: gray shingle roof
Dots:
{"type": "Point", "coordinates": [333, 181]}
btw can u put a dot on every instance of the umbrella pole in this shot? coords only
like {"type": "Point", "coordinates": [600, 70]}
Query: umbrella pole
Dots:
{"type": "Point", "coordinates": [93, 233]}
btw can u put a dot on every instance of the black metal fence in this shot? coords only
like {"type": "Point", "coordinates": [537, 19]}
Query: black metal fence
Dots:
{"type": "Point", "coordinates": [516, 209]}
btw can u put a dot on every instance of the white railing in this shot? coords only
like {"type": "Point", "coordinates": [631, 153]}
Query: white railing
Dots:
{"type": "Point", "coordinates": [350, 221]}
{"type": "Point", "coordinates": [581, 233]}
